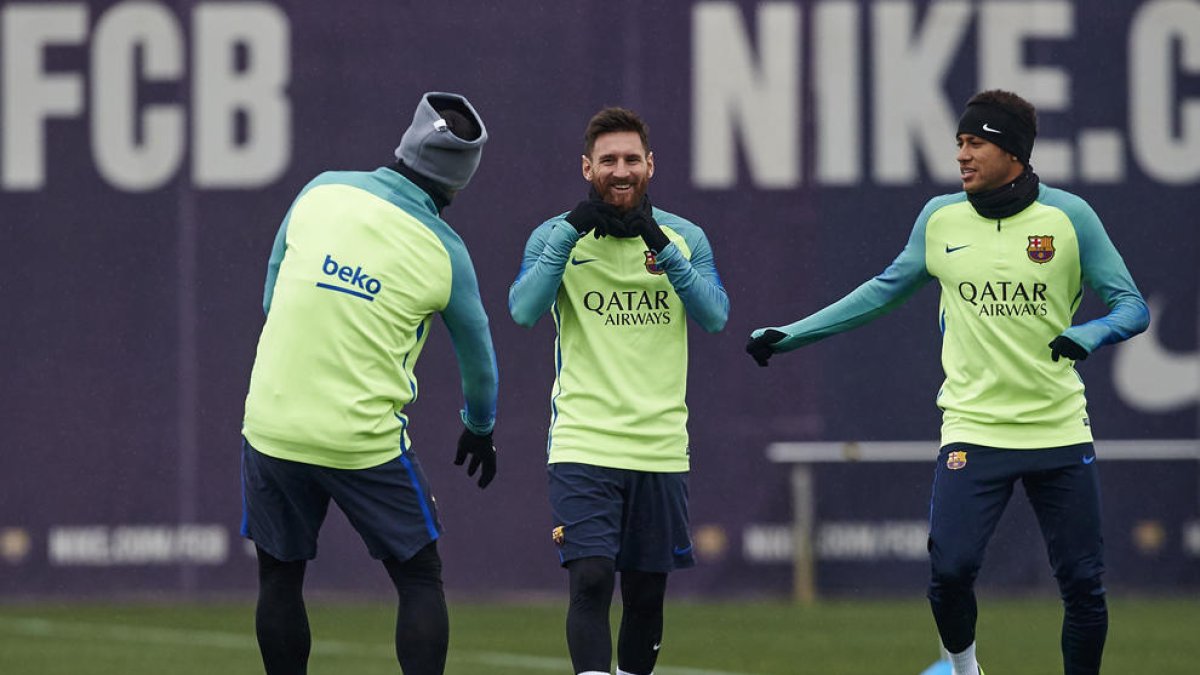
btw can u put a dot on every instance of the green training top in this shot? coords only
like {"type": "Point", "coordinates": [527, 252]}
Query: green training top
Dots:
{"type": "Point", "coordinates": [360, 263]}
{"type": "Point", "coordinates": [1009, 287]}
{"type": "Point", "coordinates": [621, 352]}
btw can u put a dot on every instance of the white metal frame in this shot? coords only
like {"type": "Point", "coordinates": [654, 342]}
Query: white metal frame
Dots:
{"type": "Point", "coordinates": [804, 491]}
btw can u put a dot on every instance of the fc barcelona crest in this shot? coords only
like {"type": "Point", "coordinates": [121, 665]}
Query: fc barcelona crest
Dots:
{"type": "Point", "coordinates": [956, 460]}
{"type": "Point", "coordinates": [652, 263]}
{"type": "Point", "coordinates": [1041, 248]}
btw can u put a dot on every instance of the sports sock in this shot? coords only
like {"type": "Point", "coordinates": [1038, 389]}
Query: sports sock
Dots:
{"type": "Point", "coordinates": [589, 637]}
{"type": "Point", "coordinates": [638, 643]}
{"type": "Point", "coordinates": [422, 623]}
{"type": "Point", "coordinates": [280, 619]}
{"type": "Point", "coordinates": [964, 662]}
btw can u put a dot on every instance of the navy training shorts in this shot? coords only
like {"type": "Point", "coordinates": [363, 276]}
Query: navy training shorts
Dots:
{"type": "Point", "coordinates": [284, 504]}
{"type": "Point", "coordinates": [639, 519]}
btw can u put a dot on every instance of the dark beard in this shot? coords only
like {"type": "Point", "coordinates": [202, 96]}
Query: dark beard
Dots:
{"type": "Point", "coordinates": [639, 194]}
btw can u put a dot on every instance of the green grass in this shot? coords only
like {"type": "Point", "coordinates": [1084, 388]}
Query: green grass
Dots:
{"type": "Point", "coordinates": [711, 638]}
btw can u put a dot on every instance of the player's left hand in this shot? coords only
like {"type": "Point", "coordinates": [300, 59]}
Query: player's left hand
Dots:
{"type": "Point", "coordinates": [640, 219]}
{"type": "Point", "coordinates": [483, 455]}
{"type": "Point", "coordinates": [1065, 346]}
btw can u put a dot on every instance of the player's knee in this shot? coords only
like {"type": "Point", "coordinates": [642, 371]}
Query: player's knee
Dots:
{"type": "Point", "coordinates": [591, 578]}
{"type": "Point", "coordinates": [423, 569]}
{"type": "Point", "coordinates": [954, 572]}
{"type": "Point", "coordinates": [952, 564]}
{"type": "Point", "coordinates": [643, 591]}
{"type": "Point", "coordinates": [279, 573]}
{"type": "Point", "coordinates": [1083, 592]}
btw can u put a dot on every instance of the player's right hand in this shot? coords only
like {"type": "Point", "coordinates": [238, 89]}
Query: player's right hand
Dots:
{"type": "Point", "coordinates": [482, 452]}
{"type": "Point", "coordinates": [760, 347]}
{"type": "Point", "coordinates": [593, 215]}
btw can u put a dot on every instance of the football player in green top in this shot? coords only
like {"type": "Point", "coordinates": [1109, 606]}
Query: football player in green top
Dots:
{"type": "Point", "coordinates": [620, 278]}
{"type": "Point", "coordinates": [361, 263]}
{"type": "Point", "coordinates": [1012, 257]}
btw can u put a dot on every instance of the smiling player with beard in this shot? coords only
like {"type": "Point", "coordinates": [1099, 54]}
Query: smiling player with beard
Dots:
{"type": "Point", "coordinates": [618, 442]}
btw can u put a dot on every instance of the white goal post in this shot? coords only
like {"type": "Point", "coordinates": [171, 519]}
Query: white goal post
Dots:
{"type": "Point", "coordinates": [802, 457]}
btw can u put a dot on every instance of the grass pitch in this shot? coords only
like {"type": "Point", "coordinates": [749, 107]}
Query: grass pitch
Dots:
{"type": "Point", "coordinates": [702, 638]}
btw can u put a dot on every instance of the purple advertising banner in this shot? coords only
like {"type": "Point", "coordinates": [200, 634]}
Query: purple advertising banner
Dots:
{"type": "Point", "coordinates": [149, 150]}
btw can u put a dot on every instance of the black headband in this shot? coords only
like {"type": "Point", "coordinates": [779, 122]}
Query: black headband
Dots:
{"type": "Point", "coordinates": [997, 125]}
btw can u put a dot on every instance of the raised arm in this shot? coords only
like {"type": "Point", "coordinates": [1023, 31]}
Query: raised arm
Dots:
{"type": "Point", "coordinates": [695, 279]}
{"type": "Point", "coordinates": [545, 258]}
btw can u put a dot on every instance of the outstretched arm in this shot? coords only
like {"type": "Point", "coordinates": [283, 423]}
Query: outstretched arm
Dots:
{"type": "Point", "coordinates": [876, 297]}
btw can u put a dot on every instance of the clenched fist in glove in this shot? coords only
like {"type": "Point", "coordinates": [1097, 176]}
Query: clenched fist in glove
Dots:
{"type": "Point", "coordinates": [760, 347]}
{"type": "Point", "coordinates": [640, 221]}
{"type": "Point", "coordinates": [593, 215]}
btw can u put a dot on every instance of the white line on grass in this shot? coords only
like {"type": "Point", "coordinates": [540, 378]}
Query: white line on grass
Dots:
{"type": "Point", "coordinates": [36, 627]}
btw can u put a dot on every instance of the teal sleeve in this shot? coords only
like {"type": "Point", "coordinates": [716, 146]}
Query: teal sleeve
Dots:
{"type": "Point", "coordinates": [536, 286]}
{"type": "Point", "coordinates": [280, 246]}
{"type": "Point", "coordinates": [696, 281]}
{"type": "Point", "coordinates": [905, 276]}
{"type": "Point", "coordinates": [467, 323]}
{"type": "Point", "coordinates": [1105, 272]}
{"type": "Point", "coordinates": [273, 264]}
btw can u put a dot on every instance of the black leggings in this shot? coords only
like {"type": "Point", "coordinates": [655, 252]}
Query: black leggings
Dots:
{"type": "Point", "coordinates": [280, 620]}
{"type": "Point", "coordinates": [422, 625]}
{"type": "Point", "coordinates": [588, 636]}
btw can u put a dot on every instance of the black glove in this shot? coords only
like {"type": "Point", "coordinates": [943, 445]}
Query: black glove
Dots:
{"type": "Point", "coordinates": [1065, 346]}
{"type": "Point", "coordinates": [482, 453]}
{"type": "Point", "coordinates": [593, 215]}
{"type": "Point", "coordinates": [760, 347]}
{"type": "Point", "coordinates": [640, 220]}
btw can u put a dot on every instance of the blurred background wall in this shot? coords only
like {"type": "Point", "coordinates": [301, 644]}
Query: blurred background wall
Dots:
{"type": "Point", "coordinates": [148, 151]}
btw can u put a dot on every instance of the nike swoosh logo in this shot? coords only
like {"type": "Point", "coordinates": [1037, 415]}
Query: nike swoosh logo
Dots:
{"type": "Point", "coordinates": [683, 551]}
{"type": "Point", "coordinates": [656, 646]}
{"type": "Point", "coordinates": [994, 131]}
{"type": "Point", "coordinates": [1089, 460]}
{"type": "Point", "coordinates": [1151, 378]}
{"type": "Point", "coordinates": [952, 249]}
{"type": "Point", "coordinates": [577, 261]}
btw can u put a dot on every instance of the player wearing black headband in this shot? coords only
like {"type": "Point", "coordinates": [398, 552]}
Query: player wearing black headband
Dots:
{"type": "Point", "coordinates": [1011, 257]}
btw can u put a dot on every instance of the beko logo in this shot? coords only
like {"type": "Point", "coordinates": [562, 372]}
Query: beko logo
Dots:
{"type": "Point", "coordinates": [359, 284]}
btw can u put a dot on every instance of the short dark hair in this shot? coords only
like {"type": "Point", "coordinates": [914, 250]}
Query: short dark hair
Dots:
{"type": "Point", "coordinates": [1006, 100]}
{"type": "Point", "coordinates": [611, 120]}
